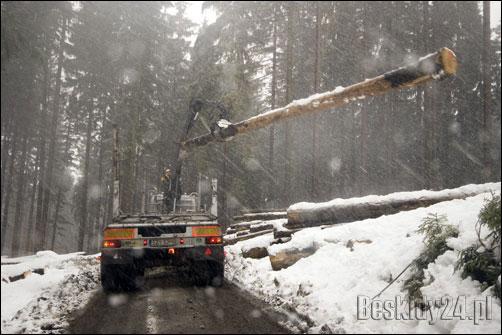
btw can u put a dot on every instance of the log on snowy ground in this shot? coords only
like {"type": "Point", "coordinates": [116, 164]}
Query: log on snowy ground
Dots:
{"type": "Point", "coordinates": [246, 224]}
{"type": "Point", "coordinates": [285, 258]}
{"type": "Point", "coordinates": [260, 227]}
{"type": "Point", "coordinates": [260, 216]}
{"type": "Point", "coordinates": [26, 274]}
{"type": "Point", "coordinates": [304, 215]}
{"type": "Point", "coordinates": [233, 240]}
{"type": "Point", "coordinates": [262, 210]}
{"type": "Point", "coordinates": [230, 231]}
{"type": "Point", "coordinates": [255, 253]}
{"type": "Point", "coordinates": [283, 233]}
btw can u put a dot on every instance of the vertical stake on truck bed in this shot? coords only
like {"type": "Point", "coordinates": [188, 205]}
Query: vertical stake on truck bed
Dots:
{"type": "Point", "coordinates": [116, 173]}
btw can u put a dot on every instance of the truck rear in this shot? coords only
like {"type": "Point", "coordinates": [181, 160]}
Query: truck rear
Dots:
{"type": "Point", "coordinates": [188, 242]}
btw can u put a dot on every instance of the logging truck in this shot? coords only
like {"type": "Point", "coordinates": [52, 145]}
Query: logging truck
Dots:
{"type": "Point", "coordinates": [186, 237]}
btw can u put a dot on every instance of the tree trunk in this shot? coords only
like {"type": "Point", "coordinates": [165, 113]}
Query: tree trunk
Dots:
{"type": "Point", "coordinates": [8, 190]}
{"type": "Point", "coordinates": [313, 191]}
{"type": "Point", "coordinates": [28, 245]}
{"type": "Point", "coordinates": [271, 192]}
{"type": "Point", "coordinates": [40, 227]}
{"type": "Point", "coordinates": [60, 192]}
{"type": "Point", "coordinates": [53, 133]}
{"type": "Point", "coordinates": [20, 201]}
{"type": "Point", "coordinates": [363, 169]}
{"type": "Point", "coordinates": [289, 98]}
{"type": "Point", "coordinates": [85, 183]}
{"type": "Point", "coordinates": [6, 144]}
{"type": "Point", "coordinates": [487, 96]}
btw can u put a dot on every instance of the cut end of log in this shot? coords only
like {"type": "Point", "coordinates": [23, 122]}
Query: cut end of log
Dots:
{"type": "Point", "coordinates": [448, 61]}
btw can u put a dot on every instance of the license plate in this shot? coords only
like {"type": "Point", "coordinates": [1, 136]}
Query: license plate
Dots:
{"type": "Point", "coordinates": [164, 242]}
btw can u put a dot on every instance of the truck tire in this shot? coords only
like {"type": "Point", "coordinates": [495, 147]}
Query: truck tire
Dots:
{"type": "Point", "coordinates": [110, 278]}
{"type": "Point", "coordinates": [121, 277]}
{"type": "Point", "coordinates": [208, 273]}
{"type": "Point", "coordinates": [217, 272]}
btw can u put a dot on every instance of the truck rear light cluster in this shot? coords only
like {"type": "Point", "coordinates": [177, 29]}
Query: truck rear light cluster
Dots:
{"type": "Point", "coordinates": [213, 240]}
{"type": "Point", "coordinates": [111, 244]}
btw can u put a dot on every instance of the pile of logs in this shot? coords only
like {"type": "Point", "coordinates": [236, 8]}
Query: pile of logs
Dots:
{"type": "Point", "coordinates": [306, 215]}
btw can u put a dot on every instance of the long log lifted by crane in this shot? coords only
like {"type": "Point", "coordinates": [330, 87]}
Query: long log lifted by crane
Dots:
{"type": "Point", "coordinates": [437, 65]}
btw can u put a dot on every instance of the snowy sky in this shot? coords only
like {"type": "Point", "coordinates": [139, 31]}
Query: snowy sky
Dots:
{"type": "Point", "coordinates": [196, 14]}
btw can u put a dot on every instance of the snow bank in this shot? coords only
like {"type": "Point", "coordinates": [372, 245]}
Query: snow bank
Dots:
{"type": "Point", "coordinates": [38, 303]}
{"type": "Point", "coordinates": [360, 259]}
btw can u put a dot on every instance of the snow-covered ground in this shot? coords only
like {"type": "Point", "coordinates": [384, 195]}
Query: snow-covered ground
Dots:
{"type": "Point", "coordinates": [359, 259]}
{"type": "Point", "coordinates": [352, 262]}
{"type": "Point", "coordinates": [39, 303]}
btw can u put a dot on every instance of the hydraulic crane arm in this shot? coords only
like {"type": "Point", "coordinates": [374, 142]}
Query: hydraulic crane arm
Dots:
{"type": "Point", "coordinates": [437, 65]}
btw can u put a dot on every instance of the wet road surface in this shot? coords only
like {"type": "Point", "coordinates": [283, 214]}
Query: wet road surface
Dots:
{"type": "Point", "coordinates": [168, 305]}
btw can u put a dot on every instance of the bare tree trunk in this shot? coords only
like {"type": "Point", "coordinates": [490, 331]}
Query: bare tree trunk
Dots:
{"type": "Point", "coordinates": [98, 213]}
{"type": "Point", "coordinates": [21, 181]}
{"type": "Point", "coordinates": [487, 96]}
{"type": "Point", "coordinates": [363, 170]}
{"type": "Point", "coordinates": [53, 134]}
{"type": "Point", "coordinates": [28, 246]}
{"type": "Point", "coordinates": [314, 191]}
{"type": "Point", "coordinates": [85, 184]}
{"type": "Point", "coordinates": [271, 193]}
{"type": "Point", "coordinates": [6, 144]}
{"type": "Point", "coordinates": [8, 190]}
{"type": "Point", "coordinates": [289, 98]}
{"type": "Point", "coordinates": [60, 192]}
{"type": "Point", "coordinates": [40, 227]}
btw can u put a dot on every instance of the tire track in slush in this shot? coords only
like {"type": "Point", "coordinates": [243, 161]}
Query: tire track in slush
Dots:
{"type": "Point", "coordinates": [151, 316]}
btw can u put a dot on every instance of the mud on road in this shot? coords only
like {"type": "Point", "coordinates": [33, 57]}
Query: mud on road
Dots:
{"type": "Point", "coordinates": [168, 305]}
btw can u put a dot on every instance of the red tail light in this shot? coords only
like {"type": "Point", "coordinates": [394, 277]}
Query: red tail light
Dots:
{"type": "Point", "coordinates": [208, 252]}
{"type": "Point", "coordinates": [111, 244]}
{"type": "Point", "coordinates": [145, 243]}
{"type": "Point", "coordinates": [213, 240]}
{"type": "Point", "coordinates": [171, 251]}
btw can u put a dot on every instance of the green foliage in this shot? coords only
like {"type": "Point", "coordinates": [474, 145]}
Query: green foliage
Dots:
{"type": "Point", "coordinates": [490, 217]}
{"type": "Point", "coordinates": [436, 232]}
{"type": "Point", "coordinates": [480, 261]}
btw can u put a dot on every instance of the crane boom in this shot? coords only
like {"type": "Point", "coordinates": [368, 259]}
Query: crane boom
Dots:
{"type": "Point", "coordinates": [436, 65]}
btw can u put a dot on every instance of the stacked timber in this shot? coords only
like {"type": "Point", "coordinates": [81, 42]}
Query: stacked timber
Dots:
{"type": "Point", "coordinates": [306, 215]}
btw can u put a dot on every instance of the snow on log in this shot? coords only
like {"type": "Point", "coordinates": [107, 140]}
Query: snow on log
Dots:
{"type": "Point", "coordinates": [233, 240]}
{"type": "Point", "coordinates": [305, 214]}
{"type": "Point", "coordinates": [436, 65]}
{"type": "Point", "coordinates": [260, 216]}
{"type": "Point", "coordinates": [262, 210]}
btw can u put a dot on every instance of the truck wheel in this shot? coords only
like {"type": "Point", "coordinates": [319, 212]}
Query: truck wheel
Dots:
{"type": "Point", "coordinates": [126, 277]}
{"type": "Point", "coordinates": [208, 273]}
{"type": "Point", "coordinates": [110, 277]}
{"type": "Point", "coordinates": [216, 272]}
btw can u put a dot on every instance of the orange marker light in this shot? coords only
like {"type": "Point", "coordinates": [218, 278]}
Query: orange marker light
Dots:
{"type": "Point", "coordinates": [213, 240]}
{"type": "Point", "coordinates": [111, 244]}
{"type": "Point", "coordinates": [170, 251]}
